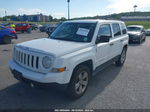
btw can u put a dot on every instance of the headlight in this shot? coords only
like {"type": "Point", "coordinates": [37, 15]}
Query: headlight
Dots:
{"type": "Point", "coordinates": [47, 62]}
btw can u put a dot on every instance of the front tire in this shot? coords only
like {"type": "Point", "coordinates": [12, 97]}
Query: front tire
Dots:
{"type": "Point", "coordinates": [140, 41]}
{"type": "Point", "coordinates": [79, 82]}
{"type": "Point", "coordinates": [121, 58]}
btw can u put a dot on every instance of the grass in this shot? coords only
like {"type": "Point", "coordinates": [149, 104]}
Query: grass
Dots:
{"type": "Point", "coordinates": [146, 24]}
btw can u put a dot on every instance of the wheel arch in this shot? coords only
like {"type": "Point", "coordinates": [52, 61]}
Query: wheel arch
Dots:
{"type": "Point", "coordinates": [125, 46]}
{"type": "Point", "coordinates": [88, 63]}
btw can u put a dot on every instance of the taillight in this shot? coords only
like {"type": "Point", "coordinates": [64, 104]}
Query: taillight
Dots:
{"type": "Point", "coordinates": [13, 31]}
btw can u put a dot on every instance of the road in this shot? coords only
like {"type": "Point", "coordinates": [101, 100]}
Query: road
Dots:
{"type": "Point", "coordinates": [126, 87]}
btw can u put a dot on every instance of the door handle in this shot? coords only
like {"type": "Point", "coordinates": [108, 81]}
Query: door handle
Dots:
{"type": "Point", "coordinates": [111, 44]}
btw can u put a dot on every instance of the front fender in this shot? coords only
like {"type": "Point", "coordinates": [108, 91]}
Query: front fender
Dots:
{"type": "Point", "coordinates": [78, 57]}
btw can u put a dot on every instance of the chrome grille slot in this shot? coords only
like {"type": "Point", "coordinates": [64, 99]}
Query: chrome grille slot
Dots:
{"type": "Point", "coordinates": [37, 60]}
{"type": "Point", "coordinates": [28, 59]}
{"type": "Point", "coordinates": [32, 59]}
{"type": "Point", "coordinates": [24, 59]}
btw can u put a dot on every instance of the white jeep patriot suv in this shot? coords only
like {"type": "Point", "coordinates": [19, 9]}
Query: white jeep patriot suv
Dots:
{"type": "Point", "coordinates": [72, 54]}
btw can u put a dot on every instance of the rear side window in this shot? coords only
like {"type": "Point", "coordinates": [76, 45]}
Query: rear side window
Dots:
{"type": "Point", "coordinates": [24, 25]}
{"type": "Point", "coordinates": [123, 28]}
{"type": "Point", "coordinates": [116, 29]}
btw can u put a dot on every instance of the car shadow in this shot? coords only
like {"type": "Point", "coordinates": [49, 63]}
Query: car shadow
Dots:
{"type": "Point", "coordinates": [22, 96]}
{"type": "Point", "coordinates": [134, 44]}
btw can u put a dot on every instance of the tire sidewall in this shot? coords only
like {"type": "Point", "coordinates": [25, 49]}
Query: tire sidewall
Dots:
{"type": "Point", "coordinates": [124, 50]}
{"type": "Point", "coordinates": [7, 40]}
{"type": "Point", "coordinates": [119, 62]}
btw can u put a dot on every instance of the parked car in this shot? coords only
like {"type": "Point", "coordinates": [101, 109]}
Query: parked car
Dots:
{"type": "Point", "coordinates": [148, 32]}
{"type": "Point", "coordinates": [5, 24]}
{"type": "Point", "coordinates": [136, 33]}
{"type": "Point", "coordinates": [51, 28]}
{"type": "Point", "coordinates": [6, 35]}
{"type": "Point", "coordinates": [23, 27]}
{"type": "Point", "coordinates": [44, 27]}
{"type": "Point", "coordinates": [74, 53]}
{"type": "Point", "coordinates": [33, 26]}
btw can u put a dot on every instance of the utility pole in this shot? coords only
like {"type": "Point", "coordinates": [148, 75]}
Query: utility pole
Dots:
{"type": "Point", "coordinates": [6, 15]}
{"type": "Point", "coordinates": [135, 6]}
{"type": "Point", "coordinates": [68, 9]}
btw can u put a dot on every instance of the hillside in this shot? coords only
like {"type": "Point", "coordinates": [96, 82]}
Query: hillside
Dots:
{"type": "Point", "coordinates": [117, 16]}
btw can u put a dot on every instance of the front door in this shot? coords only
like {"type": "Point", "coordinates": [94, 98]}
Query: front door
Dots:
{"type": "Point", "coordinates": [103, 48]}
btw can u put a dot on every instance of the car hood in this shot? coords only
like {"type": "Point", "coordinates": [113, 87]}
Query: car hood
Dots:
{"type": "Point", "coordinates": [133, 32]}
{"type": "Point", "coordinates": [52, 46]}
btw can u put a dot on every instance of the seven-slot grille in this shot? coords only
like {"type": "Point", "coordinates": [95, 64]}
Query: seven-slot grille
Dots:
{"type": "Point", "coordinates": [27, 59]}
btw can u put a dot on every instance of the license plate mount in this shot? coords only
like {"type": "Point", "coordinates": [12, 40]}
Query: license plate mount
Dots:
{"type": "Point", "coordinates": [17, 74]}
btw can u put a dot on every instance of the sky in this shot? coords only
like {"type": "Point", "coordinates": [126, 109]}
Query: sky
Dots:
{"type": "Point", "coordinates": [78, 8]}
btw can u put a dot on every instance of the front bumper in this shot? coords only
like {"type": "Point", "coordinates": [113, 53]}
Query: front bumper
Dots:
{"type": "Point", "coordinates": [134, 39]}
{"type": "Point", "coordinates": [13, 36]}
{"type": "Point", "coordinates": [20, 72]}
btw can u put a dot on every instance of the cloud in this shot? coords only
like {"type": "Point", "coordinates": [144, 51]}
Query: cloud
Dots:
{"type": "Point", "coordinates": [117, 6]}
{"type": "Point", "coordinates": [26, 11]}
{"type": "Point", "coordinates": [31, 11]}
{"type": "Point", "coordinates": [2, 11]}
{"type": "Point", "coordinates": [58, 15]}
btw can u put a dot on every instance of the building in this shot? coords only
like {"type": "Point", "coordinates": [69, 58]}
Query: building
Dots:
{"type": "Point", "coordinates": [35, 18]}
{"type": "Point", "coordinates": [135, 18]}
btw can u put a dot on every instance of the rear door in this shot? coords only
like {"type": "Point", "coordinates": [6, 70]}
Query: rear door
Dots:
{"type": "Point", "coordinates": [18, 27]}
{"type": "Point", "coordinates": [24, 26]}
{"type": "Point", "coordinates": [115, 42]}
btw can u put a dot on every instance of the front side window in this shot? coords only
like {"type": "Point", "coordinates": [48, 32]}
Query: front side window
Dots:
{"type": "Point", "coordinates": [78, 32]}
{"type": "Point", "coordinates": [116, 29]}
{"type": "Point", "coordinates": [105, 31]}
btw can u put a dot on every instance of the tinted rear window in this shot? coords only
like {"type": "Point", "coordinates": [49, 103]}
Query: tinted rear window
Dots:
{"type": "Point", "coordinates": [116, 29]}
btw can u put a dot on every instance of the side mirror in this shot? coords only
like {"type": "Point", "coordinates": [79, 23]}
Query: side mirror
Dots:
{"type": "Point", "coordinates": [102, 39]}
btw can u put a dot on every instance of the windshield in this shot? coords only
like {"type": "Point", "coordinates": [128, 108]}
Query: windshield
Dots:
{"type": "Point", "coordinates": [134, 28]}
{"type": "Point", "coordinates": [78, 32]}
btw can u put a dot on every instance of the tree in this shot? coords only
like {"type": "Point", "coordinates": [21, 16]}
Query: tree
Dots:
{"type": "Point", "coordinates": [135, 6]}
{"type": "Point", "coordinates": [50, 18]}
{"type": "Point", "coordinates": [63, 19]}
{"type": "Point", "coordinates": [1, 18]}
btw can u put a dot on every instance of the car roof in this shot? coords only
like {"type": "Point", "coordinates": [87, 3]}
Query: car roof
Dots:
{"type": "Point", "coordinates": [140, 26]}
{"type": "Point", "coordinates": [93, 21]}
